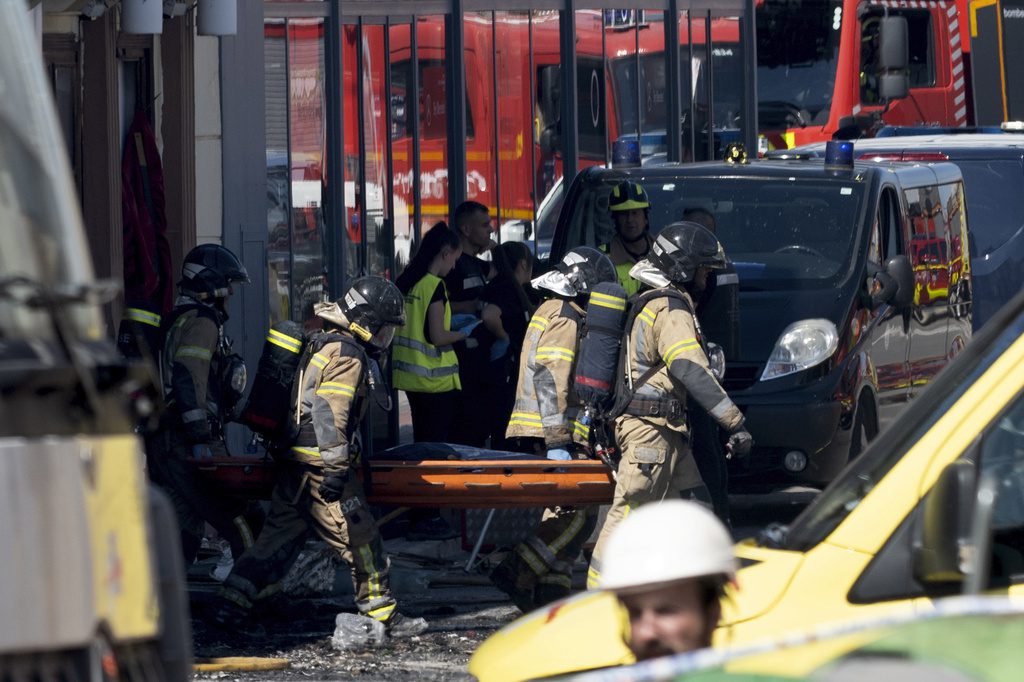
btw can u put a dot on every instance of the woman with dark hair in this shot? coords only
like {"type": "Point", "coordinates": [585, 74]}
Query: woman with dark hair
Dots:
{"type": "Point", "coordinates": [423, 362]}
{"type": "Point", "coordinates": [506, 314]}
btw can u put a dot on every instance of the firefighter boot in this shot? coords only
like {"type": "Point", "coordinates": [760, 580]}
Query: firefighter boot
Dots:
{"type": "Point", "coordinates": [516, 583]}
{"type": "Point", "coordinates": [401, 626]}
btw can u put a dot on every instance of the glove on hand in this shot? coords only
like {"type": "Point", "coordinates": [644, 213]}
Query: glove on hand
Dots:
{"type": "Point", "coordinates": [740, 443]}
{"type": "Point", "coordinates": [202, 451]}
{"type": "Point", "coordinates": [332, 488]}
{"type": "Point", "coordinates": [560, 454]}
{"type": "Point", "coordinates": [197, 431]}
{"type": "Point", "coordinates": [499, 348]}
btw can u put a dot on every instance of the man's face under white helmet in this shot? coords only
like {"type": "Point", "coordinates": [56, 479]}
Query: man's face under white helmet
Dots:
{"type": "Point", "coordinates": [670, 618]}
{"type": "Point", "coordinates": [665, 563]}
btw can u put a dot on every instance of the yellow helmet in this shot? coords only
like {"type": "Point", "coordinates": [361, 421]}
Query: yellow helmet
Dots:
{"type": "Point", "coordinates": [626, 196]}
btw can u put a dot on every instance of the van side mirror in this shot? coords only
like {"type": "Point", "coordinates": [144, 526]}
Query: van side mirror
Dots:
{"type": "Point", "coordinates": [942, 548]}
{"type": "Point", "coordinates": [893, 58]}
{"type": "Point", "coordinates": [899, 270]}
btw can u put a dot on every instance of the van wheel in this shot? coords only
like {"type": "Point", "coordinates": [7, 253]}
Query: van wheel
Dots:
{"type": "Point", "coordinates": [865, 426]}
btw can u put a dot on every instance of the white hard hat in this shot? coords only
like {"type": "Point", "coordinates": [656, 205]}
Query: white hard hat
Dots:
{"type": "Point", "coordinates": [665, 541]}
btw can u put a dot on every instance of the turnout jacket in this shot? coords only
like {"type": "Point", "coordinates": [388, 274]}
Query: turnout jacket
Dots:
{"type": "Point", "coordinates": [330, 402]}
{"type": "Point", "coordinates": [193, 350]}
{"type": "Point", "coordinates": [665, 331]}
{"type": "Point", "coordinates": [546, 405]}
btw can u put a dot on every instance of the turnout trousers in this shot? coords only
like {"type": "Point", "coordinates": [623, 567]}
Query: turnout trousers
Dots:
{"type": "Point", "coordinates": [347, 526]}
{"type": "Point", "coordinates": [657, 463]}
{"type": "Point", "coordinates": [197, 502]}
{"type": "Point", "coordinates": [542, 564]}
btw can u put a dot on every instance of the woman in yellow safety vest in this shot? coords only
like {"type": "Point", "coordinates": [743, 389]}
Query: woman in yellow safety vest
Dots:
{"type": "Point", "coordinates": [423, 362]}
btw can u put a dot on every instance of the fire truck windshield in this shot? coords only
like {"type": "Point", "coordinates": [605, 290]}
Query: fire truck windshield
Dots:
{"type": "Point", "coordinates": [796, 77]}
{"type": "Point", "coordinates": [727, 77]}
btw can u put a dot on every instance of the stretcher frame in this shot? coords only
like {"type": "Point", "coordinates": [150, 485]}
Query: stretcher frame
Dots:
{"type": "Point", "coordinates": [452, 484]}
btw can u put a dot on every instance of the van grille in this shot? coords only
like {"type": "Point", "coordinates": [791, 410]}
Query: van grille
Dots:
{"type": "Point", "coordinates": [740, 376]}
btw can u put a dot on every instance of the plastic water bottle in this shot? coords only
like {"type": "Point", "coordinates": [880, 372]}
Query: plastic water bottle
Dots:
{"type": "Point", "coordinates": [353, 632]}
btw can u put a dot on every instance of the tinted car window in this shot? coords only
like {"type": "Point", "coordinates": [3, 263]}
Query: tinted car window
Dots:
{"type": "Point", "coordinates": [995, 201]}
{"type": "Point", "coordinates": [781, 235]}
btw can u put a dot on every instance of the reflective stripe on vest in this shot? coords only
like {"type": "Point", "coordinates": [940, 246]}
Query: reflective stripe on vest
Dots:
{"type": "Point", "coordinates": [417, 364]}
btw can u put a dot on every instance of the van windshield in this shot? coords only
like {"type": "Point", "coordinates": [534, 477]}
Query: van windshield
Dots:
{"type": "Point", "coordinates": [843, 495]}
{"type": "Point", "coordinates": [781, 233]}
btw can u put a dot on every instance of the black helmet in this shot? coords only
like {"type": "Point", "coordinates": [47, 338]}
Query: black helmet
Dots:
{"type": "Point", "coordinates": [626, 196]}
{"type": "Point", "coordinates": [209, 270]}
{"type": "Point", "coordinates": [374, 308]}
{"type": "Point", "coordinates": [586, 267]}
{"type": "Point", "coordinates": [681, 248]}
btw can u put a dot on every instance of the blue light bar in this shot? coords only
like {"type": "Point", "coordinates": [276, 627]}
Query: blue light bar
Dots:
{"type": "Point", "coordinates": [626, 153]}
{"type": "Point", "coordinates": [838, 157]}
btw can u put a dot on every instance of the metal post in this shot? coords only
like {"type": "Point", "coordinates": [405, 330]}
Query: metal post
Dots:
{"type": "Point", "coordinates": [412, 104]}
{"type": "Point", "coordinates": [533, 135]}
{"type": "Point", "coordinates": [690, 90]}
{"type": "Point", "coordinates": [455, 104]}
{"type": "Point", "coordinates": [748, 41]}
{"type": "Point", "coordinates": [497, 131]}
{"type": "Point", "coordinates": [479, 542]}
{"type": "Point", "coordinates": [639, 84]}
{"type": "Point", "coordinates": [672, 76]}
{"type": "Point", "coordinates": [569, 132]}
{"type": "Point", "coordinates": [710, 61]}
{"type": "Point", "coordinates": [361, 184]}
{"type": "Point", "coordinates": [389, 174]}
{"type": "Point", "coordinates": [334, 241]}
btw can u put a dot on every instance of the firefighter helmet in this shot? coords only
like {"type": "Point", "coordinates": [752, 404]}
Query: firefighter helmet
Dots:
{"type": "Point", "coordinates": [667, 541]}
{"type": "Point", "coordinates": [681, 248]}
{"type": "Point", "coordinates": [374, 308]}
{"type": "Point", "coordinates": [579, 271]}
{"type": "Point", "coordinates": [626, 196]}
{"type": "Point", "coordinates": [209, 271]}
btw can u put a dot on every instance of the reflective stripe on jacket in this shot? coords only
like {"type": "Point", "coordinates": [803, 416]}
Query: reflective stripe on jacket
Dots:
{"type": "Point", "coordinates": [190, 352]}
{"type": "Point", "coordinates": [665, 332]}
{"type": "Point", "coordinates": [329, 406]}
{"type": "Point", "coordinates": [417, 364]}
{"type": "Point", "coordinates": [545, 404]}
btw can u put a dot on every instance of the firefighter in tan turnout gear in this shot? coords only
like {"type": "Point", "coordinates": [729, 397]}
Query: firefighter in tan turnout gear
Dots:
{"type": "Point", "coordinates": [203, 380]}
{"type": "Point", "coordinates": [539, 569]}
{"type": "Point", "coordinates": [666, 363]}
{"type": "Point", "coordinates": [319, 486]}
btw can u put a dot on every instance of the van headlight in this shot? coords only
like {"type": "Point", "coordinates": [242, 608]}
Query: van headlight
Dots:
{"type": "Point", "coordinates": [802, 345]}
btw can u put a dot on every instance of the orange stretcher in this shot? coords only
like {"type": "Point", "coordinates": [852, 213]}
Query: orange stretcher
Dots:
{"type": "Point", "coordinates": [443, 475]}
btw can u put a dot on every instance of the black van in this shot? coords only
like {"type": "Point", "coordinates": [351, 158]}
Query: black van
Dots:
{"type": "Point", "coordinates": [993, 169]}
{"type": "Point", "coordinates": [818, 368]}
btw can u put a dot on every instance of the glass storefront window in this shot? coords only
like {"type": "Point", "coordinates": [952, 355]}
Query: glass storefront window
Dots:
{"type": "Point", "coordinates": [306, 143]}
{"type": "Point", "coordinates": [353, 190]}
{"type": "Point", "coordinates": [278, 196]}
{"type": "Point", "coordinates": [376, 133]}
{"type": "Point", "coordinates": [402, 103]}
{"type": "Point", "coordinates": [433, 121]}
{"type": "Point", "coordinates": [515, 153]}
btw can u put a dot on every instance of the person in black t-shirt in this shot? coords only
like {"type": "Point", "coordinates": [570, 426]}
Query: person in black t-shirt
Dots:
{"type": "Point", "coordinates": [506, 314]}
{"type": "Point", "coordinates": [466, 283]}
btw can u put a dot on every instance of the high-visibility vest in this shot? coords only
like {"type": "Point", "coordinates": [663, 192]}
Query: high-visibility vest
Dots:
{"type": "Point", "coordinates": [418, 365]}
{"type": "Point", "coordinates": [631, 285]}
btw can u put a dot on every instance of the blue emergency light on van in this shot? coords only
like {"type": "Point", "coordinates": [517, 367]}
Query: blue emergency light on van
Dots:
{"type": "Point", "coordinates": [838, 157]}
{"type": "Point", "coordinates": [626, 153]}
